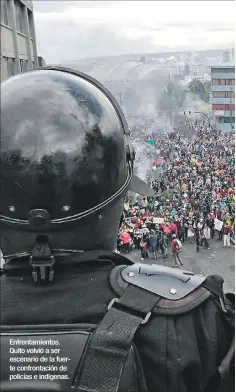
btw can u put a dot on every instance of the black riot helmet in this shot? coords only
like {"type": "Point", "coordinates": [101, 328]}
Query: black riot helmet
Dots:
{"type": "Point", "coordinates": [66, 162]}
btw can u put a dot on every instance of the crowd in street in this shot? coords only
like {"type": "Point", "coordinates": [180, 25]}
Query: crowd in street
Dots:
{"type": "Point", "coordinates": [194, 184]}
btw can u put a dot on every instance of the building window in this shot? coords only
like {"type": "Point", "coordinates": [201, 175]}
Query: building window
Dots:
{"type": "Point", "coordinates": [223, 94]}
{"type": "Point", "coordinates": [219, 82]}
{"type": "Point", "coordinates": [229, 94]}
{"type": "Point", "coordinates": [5, 13]}
{"type": "Point", "coordinates": [20, 17]}
{"type": "Point", "coordinates": [230, 81]}
{"type": "Point", "coordinates": [229, 120]}
{"type": "Point", "coordinates": [218, 106]}
{"type": "Point", "coordinates": [25, 65]}
{"type": "Point", "coordinates": [218, 94]}
{"type": "Point", "coordinates": [230, 107]}
{"type": "Point", "coordinates": [4, 71]}
{"type": "Point", "coordinates": [10, 66]}
{"type": "Point", "coordinates": [223, 70]}
{"type": "Point", "coordinates": [31, 25]}
{"type": "Point", "coordinates": [21, 66]}
{"type": "Point", "coordinates": [227, 106]}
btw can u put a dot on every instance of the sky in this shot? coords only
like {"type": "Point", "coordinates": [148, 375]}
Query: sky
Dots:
{"type": "Point", "coordinates": [72, 30]}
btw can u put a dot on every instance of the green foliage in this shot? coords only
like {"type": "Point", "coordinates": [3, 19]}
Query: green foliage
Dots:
{"type": "Point", "coordinates": [202, 90]}
{"type": "Point", "coordinates": [172, 98]}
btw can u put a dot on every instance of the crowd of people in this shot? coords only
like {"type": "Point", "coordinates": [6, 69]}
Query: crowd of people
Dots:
{"type": "Point", "coordinates": [194, 184]}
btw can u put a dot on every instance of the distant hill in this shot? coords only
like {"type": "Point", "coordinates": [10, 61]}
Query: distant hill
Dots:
{"type": "Point", "coordinates": [126, 57]}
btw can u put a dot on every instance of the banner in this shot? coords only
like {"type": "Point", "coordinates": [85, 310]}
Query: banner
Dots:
{"type": "Point", "coordinates": [158, 221]}
{"type": "Point", "coordinates": [190, 233]}
{"type": "Point", "coordinates": [218, 224]}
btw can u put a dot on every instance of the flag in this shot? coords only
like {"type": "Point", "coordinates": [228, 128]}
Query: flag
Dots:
{"type": "Point", "coordinates": [158, 161]}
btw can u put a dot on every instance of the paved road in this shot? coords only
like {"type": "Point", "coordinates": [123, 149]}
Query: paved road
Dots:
{"type": "Point", "coordinates": [217, 260]}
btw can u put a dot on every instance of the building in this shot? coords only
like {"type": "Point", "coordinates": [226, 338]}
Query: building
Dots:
{"type": "Point", "coordinates": [41, 61]}
{"type": "Point", "coordinates": [226, 56]}
{"type": "Point", "coordinates": [18, 42]}
{"type": "Point", "coordinates": [223, 95]}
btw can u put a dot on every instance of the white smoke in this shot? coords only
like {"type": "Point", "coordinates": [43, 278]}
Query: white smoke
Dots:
{"type": "Point", "coordinates": [141, 129]}
{"type": "Point", "coordinates": [194, 104]}
{"type": "Point", "coordinates": [142, 159]}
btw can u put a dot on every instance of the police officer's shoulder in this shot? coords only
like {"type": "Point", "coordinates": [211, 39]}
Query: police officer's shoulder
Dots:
{"type": "Point", "coordinates": [180, 290]}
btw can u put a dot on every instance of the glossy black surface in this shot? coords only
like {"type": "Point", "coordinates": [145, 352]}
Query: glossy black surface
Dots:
{"type": "Point", "coordinates": [62, 145]}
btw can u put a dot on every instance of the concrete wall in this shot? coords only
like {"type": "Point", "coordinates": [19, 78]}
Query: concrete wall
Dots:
{"type": "Point", "coordinates": [228, 114]}
{"type": "Point", "coordinates": [18, 48]}
{"type": "Point", "coordinates": [226, 127]}
{"type": "Point", "coordinates": [221, 87]}
{"type": "Point", "coordinates": [7, 42]}
{"type": "Point", "coordinates": [221, 100]}
{"type": "Point", "coordinates": [221, 75]}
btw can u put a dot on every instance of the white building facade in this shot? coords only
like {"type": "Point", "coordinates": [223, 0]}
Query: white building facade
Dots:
{"type": "Point", "coordinates": [18, 41]}
{"type": "Point", "coordinates": [223, 95]}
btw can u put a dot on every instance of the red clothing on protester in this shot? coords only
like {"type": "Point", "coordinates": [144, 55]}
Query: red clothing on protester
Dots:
{"type": "Point", "coordinates": [227, 229]}
{"type": "Point", "coordinates": [138, 223]}
{"type": "Point", "coordinates": [173, 227]}
{"type": "Point", "coordinates": [174, 246]}
{"type": "Point", "coordinates": [125, 238]}
{"type": "Point", "coordinates": [145, 247]}
{"type": "Point", "coordinates": [223, 192]}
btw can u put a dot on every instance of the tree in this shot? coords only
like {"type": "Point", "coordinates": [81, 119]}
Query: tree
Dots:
{"type": "Point", "coordinates": [202, 90]}
{"type": "Point", "coordinates": [207, 89]}
{"type": "Point", "coordinates": [196, 87]}
{"type": "Point", "coordinates": [172, 98]}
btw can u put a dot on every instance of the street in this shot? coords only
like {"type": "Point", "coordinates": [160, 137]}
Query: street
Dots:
{"type": "Point", "coordinates": [216, 261]}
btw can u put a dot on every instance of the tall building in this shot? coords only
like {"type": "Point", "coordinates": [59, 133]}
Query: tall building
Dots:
{"type": "Point", "coordinates": [223, 95]}
{"type": "Point", "coordinates": [18, 42]}
{"type": "Point", "coordinates": [226, 56]}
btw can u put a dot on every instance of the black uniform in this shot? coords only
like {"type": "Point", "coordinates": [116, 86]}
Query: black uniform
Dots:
{"type": "Point", "coordinates": [178, 349]}
{"type": "Point", "coordinates": [76, 316]}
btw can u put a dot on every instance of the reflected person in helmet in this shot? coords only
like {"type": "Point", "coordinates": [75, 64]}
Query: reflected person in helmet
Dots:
{"type": "Point", "coordinates": [66, 165]}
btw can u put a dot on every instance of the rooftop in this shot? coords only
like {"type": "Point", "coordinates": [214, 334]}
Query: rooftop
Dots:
{"type": "Point", "coordinates": [224, 65]}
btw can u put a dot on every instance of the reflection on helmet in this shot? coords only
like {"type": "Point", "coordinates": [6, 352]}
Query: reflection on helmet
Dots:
{"type": "Point", "coordinates": [62, 145]}
{"type": "Point", "coordinates": [63, 150]}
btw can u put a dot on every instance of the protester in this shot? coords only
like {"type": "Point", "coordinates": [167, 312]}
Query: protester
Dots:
{"type": "Point", "coordinates": [144, 249]}
{"type": "Point", "coordinates": [175, 248]}
{"type": "Point", "coordinates": [193, 179]}
{"type": "Point", "coordinates": [121, 326]}
{"type": "Point", "coordinates": [207, 235]}
{"type": "Point", "coordinates": [153, 243]}
{"type": "Point", "coordinates": [226, 235]}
